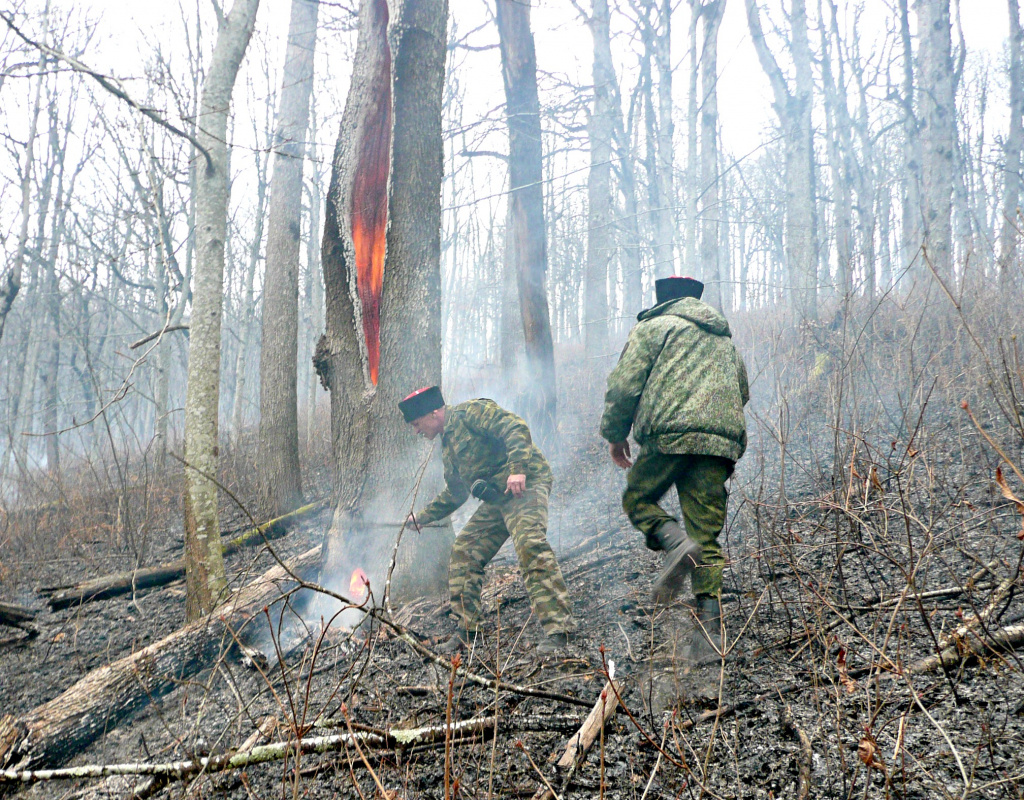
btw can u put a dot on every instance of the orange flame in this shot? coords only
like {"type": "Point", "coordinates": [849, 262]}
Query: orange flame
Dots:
{"type": "Point", "coordinates": [370, 191]}
{"type": "Point", "coordinates": [358, 584]}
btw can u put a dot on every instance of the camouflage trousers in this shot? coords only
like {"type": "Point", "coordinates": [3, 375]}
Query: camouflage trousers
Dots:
{"type": "Point", "coordinates": [525, 518]}
{"type": "Point", "coordinates": [700, 482]}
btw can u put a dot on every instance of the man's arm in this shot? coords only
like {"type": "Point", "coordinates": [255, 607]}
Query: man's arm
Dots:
{"type": "Point", "coordinates": [506, 426]}
{"type": "Point", "coordinates": [626, 385]}
{"type": "Point", "coordinates": [447, 502]}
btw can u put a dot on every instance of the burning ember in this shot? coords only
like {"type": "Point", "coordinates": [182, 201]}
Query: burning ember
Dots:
{"type": "Point", "coordinates": [358, 585]}
{"type": "Point", "coordinates": [370, 192]}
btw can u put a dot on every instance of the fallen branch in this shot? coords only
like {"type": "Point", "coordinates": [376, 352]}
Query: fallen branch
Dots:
{"type": "Point", "coordinates": [18, 617]}
{"type": "Point", "coordinates": [157, 334]}
{"type": "Point", "coordinates": [577, 746]}
{"type": "Point", "coordinates": [52, 733]}
{"type": "Point", "coordinates": [249, 755]}
{"type": "Point", "coordinates": [1008, 638]}
{"type": "Point", "coordinates": [806, 760]}
{"type": "Point", "coordinates": [103, 588]}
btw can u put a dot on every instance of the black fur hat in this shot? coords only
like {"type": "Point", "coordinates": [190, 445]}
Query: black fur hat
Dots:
{"type": "Point", "coordinates": [676, 287]}
{"type": "Point", "coordinates": [421, 402]}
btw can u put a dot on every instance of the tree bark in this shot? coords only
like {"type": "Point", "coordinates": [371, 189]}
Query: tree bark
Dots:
{"type": "Point", "coordinates": [1011, 223]}
{"type": "Point", "coordinates": [205, 579]}
{"type": "Point", "coordinates": [55, 731]}
{"type": "Point", "coordinates": [277, 465]}
{"type": "Point", "coordinates": [937, 132]}
{"type": "Point", "coordinates": [384, 213]}
{"type": "Point", "coordinates": [526, 196]}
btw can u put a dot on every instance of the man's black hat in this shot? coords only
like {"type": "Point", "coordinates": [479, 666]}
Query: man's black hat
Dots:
{"type": "Point", "coordinates": [673, 288]}
{"type": "Point", "coordinates": [421, 402]}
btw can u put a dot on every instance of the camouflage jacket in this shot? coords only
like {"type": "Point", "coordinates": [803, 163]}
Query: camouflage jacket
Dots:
{"type": "Point", "coordinates": [680, 384]}
{"type": "Point", "coordinates": [481, 440]}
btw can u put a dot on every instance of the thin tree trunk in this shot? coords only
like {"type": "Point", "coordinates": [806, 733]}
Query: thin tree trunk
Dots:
{"type": "Point", "coordinates": [711, 211]}
{"type": "Point", "coordinates": [205, 579]}
{"type": "Point", "coordinates": [522, 108]}
{"type": "Point", "coordinates": [911, 226]}
{"type": "Point", "coordinates": [277, 468]}
{"type": "Point", "coordinates": [937, 132]}
{"type": "Point", "coordinates": [666, 243]}
{"type": "Point", "coordinates": [692, 189]}
{"type": "Point", "coordinates": [1011, 222]}
{"type": "Point", "coordinates": [599, 184]}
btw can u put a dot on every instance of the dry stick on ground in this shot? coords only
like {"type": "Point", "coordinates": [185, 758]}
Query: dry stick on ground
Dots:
{"type": "Point", "coordinates": [806, 754]}
{"type": "Point", "coordinates": [57, 730]}
{"type": "Point", "coordinates": [103, 588]}
{"type": "Point", "coordinates": [577, 746]}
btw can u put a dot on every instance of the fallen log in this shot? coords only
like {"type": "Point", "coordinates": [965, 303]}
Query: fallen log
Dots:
{"type": "Point", "coordinates": [54, 732]}
{"type": "Point", "coordinates": [1003, 639]}
{"type": "Point", "coordinates": [103, 588]}
{"type": "Point", "coordinates": [18, 617]}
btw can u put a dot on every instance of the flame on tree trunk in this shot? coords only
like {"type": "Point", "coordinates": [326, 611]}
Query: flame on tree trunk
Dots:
{"type": "Point", "coordinates": [370, 193]}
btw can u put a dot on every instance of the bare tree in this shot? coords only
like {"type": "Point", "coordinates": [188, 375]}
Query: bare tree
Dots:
{"type": "Point", "coordinates": [205, 579]}
{"type": "Point", "coordinates": [793, 101]}
{"type": "Point", "coordinates": [711, 196]}
{"type": "Point", "coordinates": [1011, 220]}
{"type": "Point", "coordinates": [280, 482]}
{"type": "Point", "coordinates": [526, 197]}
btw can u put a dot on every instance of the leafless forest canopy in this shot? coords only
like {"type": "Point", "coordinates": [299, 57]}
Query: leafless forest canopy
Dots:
{"type": "Point", "coordinates": [235, 236]}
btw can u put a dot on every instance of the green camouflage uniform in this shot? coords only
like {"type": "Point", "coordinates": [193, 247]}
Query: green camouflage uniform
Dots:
{"type": "Point", "coordinates": [481, 440]}
{"type": "Point", "coordinates": [681, 386]}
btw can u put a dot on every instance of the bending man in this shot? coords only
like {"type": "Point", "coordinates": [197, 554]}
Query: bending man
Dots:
{"type": "Point", "coordinates": [488, 451]}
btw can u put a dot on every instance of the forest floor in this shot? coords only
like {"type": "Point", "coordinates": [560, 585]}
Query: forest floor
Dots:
{"type": "Point", "coordinates": [846, 570]}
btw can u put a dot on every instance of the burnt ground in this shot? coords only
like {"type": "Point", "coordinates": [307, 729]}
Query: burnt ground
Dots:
{"type": "Point", "coordinates": [854, 551]}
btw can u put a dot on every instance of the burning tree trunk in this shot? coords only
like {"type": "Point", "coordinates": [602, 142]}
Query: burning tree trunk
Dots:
{"type": "Point", "coordinates": [526, 196]}
{"type": "Point", "coordinates": [382, 276]}
{"type": "Point", "coordinates": [204, 563]}
{"type": "Point", "coordinates": [278, 463]}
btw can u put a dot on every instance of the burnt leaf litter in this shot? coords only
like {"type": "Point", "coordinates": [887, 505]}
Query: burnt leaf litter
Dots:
{"type": "Point", "coordinates": [841, 580]}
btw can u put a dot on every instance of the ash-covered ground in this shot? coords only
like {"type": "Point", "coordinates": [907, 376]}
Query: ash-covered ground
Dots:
{"type": "Point", "coordinates": [866, 524]}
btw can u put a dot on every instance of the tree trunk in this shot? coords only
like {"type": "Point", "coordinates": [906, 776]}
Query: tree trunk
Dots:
{"type": "Point", "coordinates": [54, 732]}
{"type": "Point", "coordinates": [205, 580]}
{"type": "Point", "coordinates": [692, 188]}
{"type": "Point", "coordinates": [1011, 222]}
{"type": "Point", "coordinates": [599, 185]}
{"type": "Point", "coordinates": [793, 107]}
{"type": "Point", "coordinates": [382, 275]}
{"type": "Point", "coordinates": [937, 132]}
{"type": "Point", "coordinates": [910, 244]}
{"type": "Point", "coordinates": [278, 476]}
{"type": "Point", "coordinates": [666, 216]}
{"type": "Point", "coordinates": [246, 308]}
{"type": "Point", "coordinates": [711, 210]}
{"type": "Point", "coordinates": [522, 109]}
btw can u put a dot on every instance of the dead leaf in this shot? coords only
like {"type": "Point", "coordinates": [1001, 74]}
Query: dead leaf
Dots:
{"type": "Point", "coordinates": [875, 482]}
{"type": "Point", "coordinates": [1004, 488]}
{"type": "Point", "coordinates": [844, 676]}
{"type": "Point", "coordinates": [867, 751]}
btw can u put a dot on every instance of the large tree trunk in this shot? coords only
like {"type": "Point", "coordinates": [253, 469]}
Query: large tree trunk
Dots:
{"type": "Point", "coordinates": [526, 180]}
{"type": "Point", "coordinates": [54, 732]}
{"type": "Point", "coordinates": [711, 211]}
{"type": "Point", "coordinates": [599, 186]}
{"type": "Point", "coordinates": [382, 275]}
{"type": "Point", "coordinates": [279, 479]}
{"type": "Point", "coordinates": [937, 132]}
{"type": "Point", "coordinates": [793, 107]}
{"type": "Point", "coordinates": [205, 580]}
{"type": "Point", "coordinates": [1008, 235]}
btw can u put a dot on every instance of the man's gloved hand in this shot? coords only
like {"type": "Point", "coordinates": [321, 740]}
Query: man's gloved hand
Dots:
{"type": "Point", "coordinates": [620, 454]}
{"type": "Point", "coordinates": [516, 485]}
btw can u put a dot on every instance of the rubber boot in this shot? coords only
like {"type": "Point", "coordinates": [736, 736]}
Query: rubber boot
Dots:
{"type": "Point", "coordinates": [706, 644]}
{"type": "Point", "coordinates": [553, 644]}
{"type": "Point", "coordinates": [682, 557]}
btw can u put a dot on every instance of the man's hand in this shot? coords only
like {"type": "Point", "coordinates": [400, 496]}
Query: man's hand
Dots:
{"type": "Point", "coordinates": [516, 485]}
{"type": "Point", "coordinates": [410, 522]}
{"type": "Point", "coordinates": [620, 454]}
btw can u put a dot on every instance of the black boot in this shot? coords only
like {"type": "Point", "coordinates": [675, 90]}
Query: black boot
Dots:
{"type": "Point", "coordinates": [682, 556]}
{"type": "Point", "coordinates": [706, 645]}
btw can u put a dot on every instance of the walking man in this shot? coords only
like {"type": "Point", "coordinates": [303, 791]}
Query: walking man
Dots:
{"type": "Point", "coordinates": [488, 452]}
{"type": "Point", "coordinates": [681, 386]}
